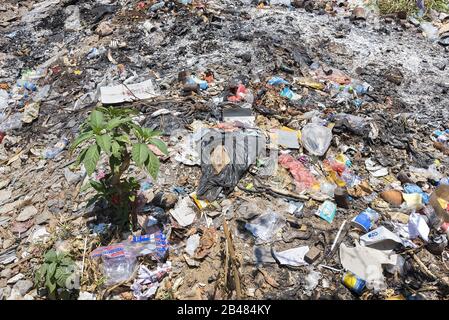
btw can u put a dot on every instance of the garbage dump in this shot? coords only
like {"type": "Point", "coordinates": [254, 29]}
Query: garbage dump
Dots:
{"type": "Point", "coordinates": [224, 149]}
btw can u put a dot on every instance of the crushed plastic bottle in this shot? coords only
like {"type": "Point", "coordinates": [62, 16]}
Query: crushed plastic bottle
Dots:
{"type": "Point", "coordinates": [119, 260]}
{"type": "Point", "coordinates": [51, 153]}
{"type": "Point", "coordinates": [316, 139]}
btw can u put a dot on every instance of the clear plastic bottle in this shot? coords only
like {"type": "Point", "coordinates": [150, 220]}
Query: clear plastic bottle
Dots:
{"type": "Point", "coordinates": [119, 260]}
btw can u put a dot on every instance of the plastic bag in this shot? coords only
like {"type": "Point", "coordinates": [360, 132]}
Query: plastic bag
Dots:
{"type": "Point", "coordinates": [242, 149]}
{"type": "Point", "coordinates": [316, 139]}
{"type": "Point", "coordinates": [354, 124]}
{"type": "Point", "coordinates": [265, 226]}
{"type": "Point", "coordinates": [303, 178]}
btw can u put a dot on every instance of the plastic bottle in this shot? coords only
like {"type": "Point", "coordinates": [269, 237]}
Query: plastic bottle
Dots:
{"type": "Point", "coordinates": [51, 153]}
{"type": "Point", "coordinates": [119, 260]}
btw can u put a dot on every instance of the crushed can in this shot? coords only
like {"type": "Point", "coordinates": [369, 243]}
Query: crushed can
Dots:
{"type": "Point", "coordinates": [353, 283]}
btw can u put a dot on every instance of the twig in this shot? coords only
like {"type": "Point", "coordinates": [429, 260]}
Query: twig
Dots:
{"type": "Point", "coordinates": [429, 273]}
{"type": "Point", "coordinates": [230, 246]}
{"type": "Point", "coordinates": [84, 257]}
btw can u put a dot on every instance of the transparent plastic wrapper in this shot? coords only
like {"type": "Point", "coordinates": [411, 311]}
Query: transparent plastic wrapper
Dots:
{"type": "Point", "coordinates": [148, 281]}
{"type": "Point", "coordinates": [303, 177]}
{"type": "Point", "coordinates": [316, 139]}
{"type": "Point", "coordinates": [265, 227]}
{"type": "Point", "coordinates": [119, 260]}
{"type": "Point", "coordinates": [429, 30]}
{"type": "Point", "coordinates": [51, 153]}
{"type": "Point", "coordinates": [3, 100]}
{"type": "Point", "coordinates": [355, 124]}
{"type": "Point", "coordinates": [12, 122]}
{"type": "Point", "coordinates": [242, 150]}
{"type": "Point", "coordinates": [439, 200]}
{"type": "Point", "coordinates": [312, 280]}
{"type": "Point", "coordinates": [430, 173]}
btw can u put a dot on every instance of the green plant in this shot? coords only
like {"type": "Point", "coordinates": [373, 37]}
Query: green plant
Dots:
{"type": "Point", "coordinates": [112, 131]}
{"type": "Point", "coordinates": [57, 272]}
{"type": "Point", "coordinates": [410, 6]}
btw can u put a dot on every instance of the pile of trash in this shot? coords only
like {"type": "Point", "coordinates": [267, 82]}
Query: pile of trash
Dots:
{"type": "Point", "coordinates": [308, 150]}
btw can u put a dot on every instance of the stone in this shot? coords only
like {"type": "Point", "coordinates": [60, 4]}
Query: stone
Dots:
{"type": "Point", "coordinates": [8, 243]}
{"type": "Point", "coordinates": [23, 286]}
{"type": "Point", "coordinates": [394, 75]}
{"type": "Point", "coordinates": [6, 292]}
{"type": "Point", "coordinates": [7, 208]}
{"type": "Point", "coordinates": [5, 195]}
{"type": "Point", "coordinates": [27, 213]}
{"type": "Point", "coordinates": [43, 217]}
{"type": "Point", "coordinates": [6, 273]}
{"type": "Point", "coordinates": [358, 13]}
{"type": "Point", "coordinates": [16, 278]}
{"type": "Point", "coordinates": [312, 255]}
{"type": "Point", "coordinates": [73, 23]}
{"type": "Point", "coordinates": [104, 29]}
{"type": "Point", "coordinates": [213, 214]}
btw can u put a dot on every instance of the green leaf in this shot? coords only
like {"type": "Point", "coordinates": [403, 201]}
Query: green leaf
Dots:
{"type": "Point", "coordinates": [51, 286]}
{"type": "Point", "coordinates": [91, 158]}
{"type": "Point", "coordinates": [138, 132]}
{"type": "Point", "coordinates": [51, 269]}
{"type": "Point", "coordinates": [50, 256]}
{"type": "Point", "coordinates": [148, 133]}
{"type": "Point", "coordinates": [81, 157]}
{"type": "Point", "coordinates": [39, 276]}
{"type": "Point", "coordinates": [116, 122]}
{"type": "Point", "coordinates": [85, 187]}
{"type": "Point", "coordinates": [152, 165]}
{"type": "Point", "coordinates": [97, 120]}
{"type": "Point", "coordinates": [160, 145]}
{"type": "Point", "coordinates": [123, 138]}
{"type": "Point", "coordinates": [66, 261]}
{"type": "Point", "coordinates": [116, 149]}
{"type": "Point", "coordinates": [81, 138]}
{"type": "Point", "coordinates": [96, 185]}
{"type": "Point", "coordinates": [140, 153]}
{"type": "Point", "coordinates": [104, 141]}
